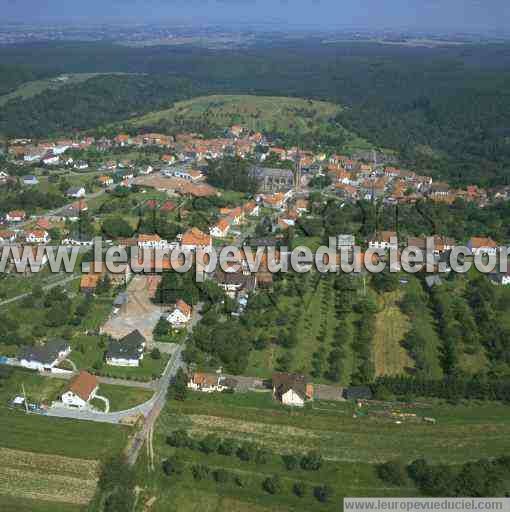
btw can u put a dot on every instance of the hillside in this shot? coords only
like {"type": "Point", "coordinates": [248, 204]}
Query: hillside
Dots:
{"type": "Point", "coordinates": [35, 87]}
{"type": "Point", "coordinates": [289, 117]}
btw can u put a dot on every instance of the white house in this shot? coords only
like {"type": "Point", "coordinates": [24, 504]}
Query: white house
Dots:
{"type": "Point", "coordinates": [207, 382]}
{"type": "Point", "coordinates": [16, 216]}
{"type": "Point", "coordinates": [30, 180]}
{"type": "Point", "coordinates": [81, 390]}
{"type": "Point", "coordinates": [43, 358]}
{"type": "Point", "coordinates": [7, 237]}
{"type": "Point", "coordinates": [252, 209]}
{"type": "Point", "coordinates": [180, 315]}
{"type": "Point", "coordinates": [194, 239]}
{"type": "Point", "coordinates": [383, 240]}
{"type": "Point", "coordinates": [151, 242]}
{"type": "Point", "coordinates": [80, 165]}
{"type": "Point", "coordinates": [38, 236]}
{"type": "Point", "coordinates": [482, 245]}
{"type": "Point", "coordinates": [291, 389]}
{"type": "Point", "coordinates": [51, 159]}
{"type": "Point", "coordinates": [127, 351]}
{"type": "Point", "coordinates": [220, 229]}
{"type": "Point", "coordinates": [77, 192]}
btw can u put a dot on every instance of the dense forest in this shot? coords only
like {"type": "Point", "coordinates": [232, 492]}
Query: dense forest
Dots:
{"type": "Point", "coordinates": [445, 109]}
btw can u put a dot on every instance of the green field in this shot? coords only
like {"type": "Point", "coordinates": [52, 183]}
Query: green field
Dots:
{"type": "Point", "coordinates": [49, 464]}
{"type": "Point", "coordinates": [260, 113]}
{"type": "Point", "coordinates": [390, 357]}
{"type": "Point", "coordinates": [350, 446]}
{"type": "Point", "coordinates": [11, 504]}
{"type": "Point", "coordinates": [267, 114]}
{"type": "Point", "coordinates": [122, 397]}
{"type": "Point", "coordinates": [315, 323]}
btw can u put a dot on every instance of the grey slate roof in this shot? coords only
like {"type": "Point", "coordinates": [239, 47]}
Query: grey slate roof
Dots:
{"type": "Point", "coordinates": [129, 347]}
{"type": "Point", "coordinates": [45, 354]}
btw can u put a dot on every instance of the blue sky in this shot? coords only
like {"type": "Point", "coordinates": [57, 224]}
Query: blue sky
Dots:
{"type": "Point", "coordinates": [469, 15]}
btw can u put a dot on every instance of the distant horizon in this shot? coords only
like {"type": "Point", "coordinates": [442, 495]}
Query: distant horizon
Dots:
{"type": "Point", "coordinates": [426, 16]}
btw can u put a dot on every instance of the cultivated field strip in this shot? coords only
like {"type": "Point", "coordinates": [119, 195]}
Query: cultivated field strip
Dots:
{"type": "Point", "coordinates": [47, 477]}
{"type": "Point", "coordinates": [370, 441]}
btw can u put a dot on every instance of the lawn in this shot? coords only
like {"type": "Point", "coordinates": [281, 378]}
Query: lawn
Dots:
{"type": "Point", "coordinates": [123, 397]}
{"type": "Point", "coordinates": [54, 436]}
{"type": "Point", "coordinates": [88, 352]}
{"type": "Point", "coordinates": [390, 357]}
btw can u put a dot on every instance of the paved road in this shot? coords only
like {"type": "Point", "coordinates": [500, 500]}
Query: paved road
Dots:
{"type": "Point", "coordinates": [150, 409]}
{"type": "Point", "coordinates": [145, 409]}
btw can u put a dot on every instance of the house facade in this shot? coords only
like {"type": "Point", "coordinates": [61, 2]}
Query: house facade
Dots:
{"type": "Point", "coordinates": [128, 351]}
{"type": "Point", "coordinates": [292, 389]}
{"type": "Point", "coordinates": [207, 382]}
{"type": "Point", "coordinates": [81, 390]}
{"type": "Point", "coordinates": [44, 358]}
{"type": "Point", "coordinates": [180, 316]}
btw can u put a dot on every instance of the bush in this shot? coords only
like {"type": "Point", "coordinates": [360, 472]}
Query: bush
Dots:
{"type": "Point", "coordinates": [262, 456]}
{"type": "Point", "coordinates": [200, 472]}
{"type": "Point", "coordinates": [227, 447]}
{"type": "Point", "coordinates": [299, 489]}
{"type": "Point", "coordinates": [209, 444]}
{"type": "Point", "coordinates": [312, 461]}
{"type": "Point", "coordinates": [173, 467]}
{"type": "Point", "coordinates": [272, 485]}
{"type": "Point", "coordinates": [290, 462]}
{"type": "Point", "coordinates": [393, 472]}
{"type": "Point", "coordinates": [156, 354]}
{"type": "Point", "coordinates": [323, 493]}
{"type": "Point", "coordinates": [221, 476]}
{"type": "Point", "coordinates": [178, 439]}
{"type": "Point", "coordinates": [246, 452]}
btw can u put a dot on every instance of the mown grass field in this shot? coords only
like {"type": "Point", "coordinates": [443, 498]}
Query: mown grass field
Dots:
{"type": "Point", "coordinates": [123, 397]}
{"type": "Point", "coordinates": [390, 357]}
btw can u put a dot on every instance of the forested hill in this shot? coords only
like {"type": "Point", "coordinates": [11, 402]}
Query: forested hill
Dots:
{"type": "Point", "coordinates": [445, 109]}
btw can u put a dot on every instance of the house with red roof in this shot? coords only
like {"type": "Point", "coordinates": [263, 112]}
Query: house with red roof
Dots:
{"type": "Point", "coordinates": [180, 316]}
{"type": "Point", "coordinates": [81, 390]}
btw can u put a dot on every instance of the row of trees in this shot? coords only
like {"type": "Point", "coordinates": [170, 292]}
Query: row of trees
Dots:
{"type": "Point", "coordinates": [246, 452]}
{"type": "Point", "coordinates": [482, 478]}
{"type": "Point", "coordinates": [174, 467]}
{"type": "Point", "coordinates": [450, 388]}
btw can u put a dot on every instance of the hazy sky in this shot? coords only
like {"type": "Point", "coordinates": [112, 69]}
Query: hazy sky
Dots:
{"type": "Point", "coordinates": [469, 15]}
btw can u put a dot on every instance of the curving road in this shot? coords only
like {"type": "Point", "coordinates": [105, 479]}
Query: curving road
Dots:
{"type": "Point", "coordinates": [145, 409]}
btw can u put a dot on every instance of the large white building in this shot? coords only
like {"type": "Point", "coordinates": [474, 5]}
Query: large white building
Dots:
{"type": "Point", "coordinates": [44, 358]}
